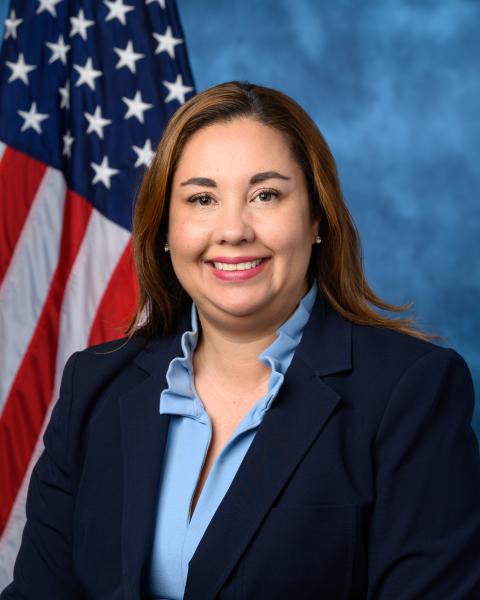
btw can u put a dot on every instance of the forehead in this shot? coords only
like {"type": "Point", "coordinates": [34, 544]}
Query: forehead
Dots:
{"type": "Point", "coordinates": [243, 143]}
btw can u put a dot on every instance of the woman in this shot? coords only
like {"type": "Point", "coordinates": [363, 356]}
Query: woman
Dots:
{"type": "Point", "coordinates": [276, 438]}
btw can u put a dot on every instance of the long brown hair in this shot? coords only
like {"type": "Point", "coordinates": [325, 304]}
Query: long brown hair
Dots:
{"type": "Point", "coordinates": [336, 264]}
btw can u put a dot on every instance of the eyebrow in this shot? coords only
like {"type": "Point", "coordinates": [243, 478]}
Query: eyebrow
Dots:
{"type": "Point", "coordinates": [257, 178]}
{"type": "Point", "coordinates": [203, 181]}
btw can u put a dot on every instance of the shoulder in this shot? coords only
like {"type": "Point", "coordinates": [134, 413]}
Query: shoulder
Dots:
{"type": "Point", "coordinates": [385, 343]}
{"type": "Point", "coordinates": [362, 354]}
{"type": "Point", "coordinates": [110, 354]}
{"type": "Point", "coordinates": [376, 361]}
{"type": "Point", "coordinates": [390, 379]}
{"type": "Point", "coordinates": [105, 359]}
{"type": "Point", "coordinates": [94, 380]}
{"type": "Point", "coordinates": [392, 368]}
{"type": "Point", "coordinates": [91, 373]}
{"type": "Point", "coordinates": [384, 348]}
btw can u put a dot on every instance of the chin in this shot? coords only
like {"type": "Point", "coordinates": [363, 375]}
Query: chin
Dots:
{"type": "Point", "coordinates": [240, 307]}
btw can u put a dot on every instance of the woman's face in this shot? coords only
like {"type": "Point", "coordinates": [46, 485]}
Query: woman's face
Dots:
{"type": "Point", "coordinates": [240, 231]}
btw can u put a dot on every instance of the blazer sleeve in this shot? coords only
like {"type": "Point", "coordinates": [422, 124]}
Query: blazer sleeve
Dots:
{"type": "Point", "coordinates": [44, 565]}
{"type": "Point", "coordinates": [424, 537]}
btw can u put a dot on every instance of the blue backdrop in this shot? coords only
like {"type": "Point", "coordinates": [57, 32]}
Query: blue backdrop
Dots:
{"type": "Point", "coordinates": [395, 88]}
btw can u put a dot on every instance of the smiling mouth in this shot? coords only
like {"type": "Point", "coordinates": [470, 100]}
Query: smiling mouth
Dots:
{"type": "Point", "coordinates": [243, 266]}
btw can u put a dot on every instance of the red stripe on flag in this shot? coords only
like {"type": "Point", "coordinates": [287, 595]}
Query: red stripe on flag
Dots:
{"type": "Point", "coordinates": [20, 177]}
{"type": "Point", "coordinates": [118, 302]}
{"type": "Point", "coordinates": [31, 393]}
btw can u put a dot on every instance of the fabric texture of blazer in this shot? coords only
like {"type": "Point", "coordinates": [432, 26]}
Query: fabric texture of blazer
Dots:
{"type": "Point", "coordinates": [363, 480]}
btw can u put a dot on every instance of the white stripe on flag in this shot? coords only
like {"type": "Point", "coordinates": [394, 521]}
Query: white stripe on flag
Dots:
{"type": "Point", "coordinates": [87, 283]}
{"type": "Point", "coordinates": [83, 293]}
{"type": "Point", "coordinates": [2, 149]}
{"type": "Point", "coordinates": [26, 283]}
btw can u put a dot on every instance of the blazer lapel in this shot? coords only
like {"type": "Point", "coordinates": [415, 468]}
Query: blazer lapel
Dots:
{"type": "Point", "coordinates": [295, 419]}
{"type": "Point", "coordinates": [144, 434]}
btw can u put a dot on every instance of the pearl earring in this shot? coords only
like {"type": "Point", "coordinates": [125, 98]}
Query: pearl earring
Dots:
{"type": "Point", "coordinates": [318, 240]}
{"type": "Point", "coordinates": [166, 247]}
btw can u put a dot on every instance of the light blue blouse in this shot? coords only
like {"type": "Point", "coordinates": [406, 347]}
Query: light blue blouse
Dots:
{"type": "Point", "coordinates": [176, 537]}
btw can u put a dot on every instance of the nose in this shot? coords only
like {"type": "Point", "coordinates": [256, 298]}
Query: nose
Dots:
{"type": "Point", "coordinates": [233, 224]}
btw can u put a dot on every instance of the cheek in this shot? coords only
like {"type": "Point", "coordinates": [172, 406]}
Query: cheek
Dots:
{"type": "Point", "coordinates": [289, 235]}
{"type": "Point", "coordinates": [186, 238]}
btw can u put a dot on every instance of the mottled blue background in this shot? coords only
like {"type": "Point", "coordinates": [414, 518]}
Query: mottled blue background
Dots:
{"type": "Point", "coordinates": [395, 88]}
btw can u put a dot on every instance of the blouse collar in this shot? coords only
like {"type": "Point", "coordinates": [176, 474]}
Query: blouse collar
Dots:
{"type": "Point", "coordinates": [180, 396]}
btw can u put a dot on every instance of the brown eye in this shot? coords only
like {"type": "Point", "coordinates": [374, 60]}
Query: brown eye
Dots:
{"type": "Point", "coordinates": [201, 200]}
{"type": "Point", "coordinates": [266, 196]}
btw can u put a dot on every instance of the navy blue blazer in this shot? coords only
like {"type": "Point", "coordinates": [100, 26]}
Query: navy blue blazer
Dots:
{"type": "Point", "coordinates": [363, 480]}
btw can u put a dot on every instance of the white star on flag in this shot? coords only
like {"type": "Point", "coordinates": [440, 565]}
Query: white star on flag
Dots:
{"type": "Point", "coordinates": [32, 118]}
{"type": "Point", "coordinates": [144, 155]}
{"type": "Point", "coordinates": [166, 42]}
{"type": "Point", "coordinates": [176, 90]}
{"type": "Point", "coordinates": [96, 122]}
{"type": "Point", "coordinates": [59, 50]}
{"type": "Point", "coordinates": [87, 74]}
{"type": "Point", "coordinates": [117, 10]}
{"type": "Point", "coordinates": [128, 57]}
{"type": "Point", "coordinates": [67, 144]}
{"type": "Point", "coordinates": [65, 95]}
{"type": "Point", "coordinates": [103, 172]}
{"type": "Point", "coordinates": [48, 5]}
{"type": "Point", "coordinates": [80, 25]}
{"type": "Point", "coordinates": [11, 25]}
{"type": "Point", "coordinates": [20, 70]}
{"type": "Point", "coordinates": [161, 2]}
{"type": "Point", "coordinates": [136, 107]}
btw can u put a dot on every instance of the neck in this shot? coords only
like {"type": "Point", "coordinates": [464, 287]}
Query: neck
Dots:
{"type": "Point", "coordinates": [232, 357]}
{"type": "Point", "coordinates": [228, 350]}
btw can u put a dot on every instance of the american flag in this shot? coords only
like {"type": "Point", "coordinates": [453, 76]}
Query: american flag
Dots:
{"type": "Point", "coordinates": [86, 88]}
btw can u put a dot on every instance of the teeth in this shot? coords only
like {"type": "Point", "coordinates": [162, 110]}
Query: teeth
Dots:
{"type": "Point", "coordinates": [238, 266]}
